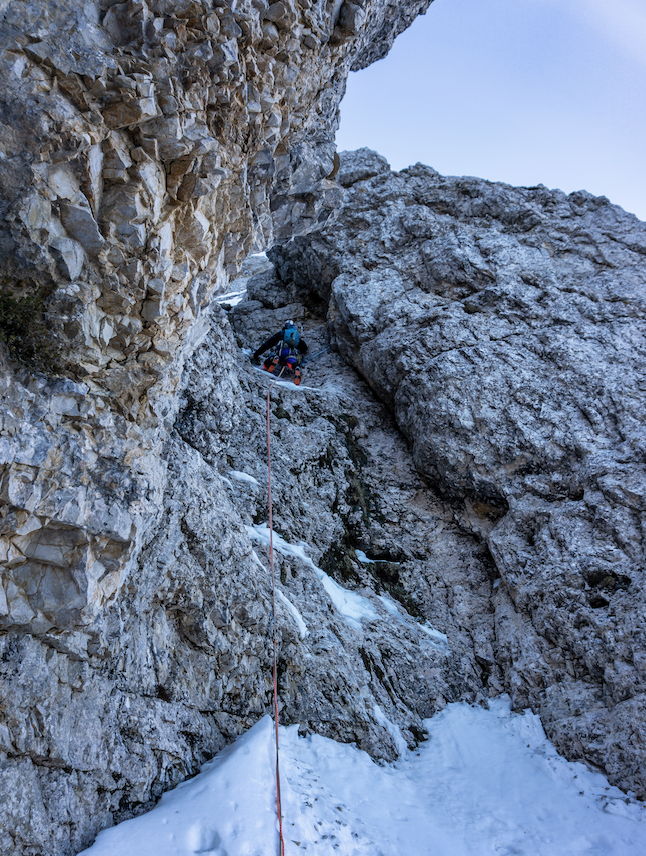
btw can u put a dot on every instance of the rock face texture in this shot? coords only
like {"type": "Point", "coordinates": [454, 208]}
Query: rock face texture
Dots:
{"type": "Point", "coordinates": [505, 328]}
{"type": "Point", "coordinates": [99, 721]}
{"type": "Point", "coordinates": [145, 149]}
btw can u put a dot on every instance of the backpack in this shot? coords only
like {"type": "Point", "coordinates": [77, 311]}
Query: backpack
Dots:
{"type": "Point", "coordinates": [291, 337]}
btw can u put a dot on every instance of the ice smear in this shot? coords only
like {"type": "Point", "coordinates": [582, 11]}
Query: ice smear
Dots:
{"type": "Point", "coordinates": [352, 606]}
{"type": "Point", "coordinates": [298, 618]}
{"type": "Point", "coordinates": [254, 556]}
{"type": "Point", "coordinates": [363, 558]}
{"type": "Point", "coordinates": [486, 783]}
{"type": "Point", "coordinates": [392, 608]}
{"type": "Point", "coordinates": [243, 477]}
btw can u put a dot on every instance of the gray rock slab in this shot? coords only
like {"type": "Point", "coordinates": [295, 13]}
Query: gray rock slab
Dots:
{"type": "Point", "coordinates": [504, 329]}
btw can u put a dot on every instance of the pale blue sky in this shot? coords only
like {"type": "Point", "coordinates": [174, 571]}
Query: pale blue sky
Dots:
{"type": "Point", "coordinates": [524, 91]}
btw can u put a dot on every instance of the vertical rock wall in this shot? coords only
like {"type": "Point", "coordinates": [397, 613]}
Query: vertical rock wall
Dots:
{"type": "Point", "coordinates": [145, 149]}
{"type": "Point", "coordinates": [505, 327]}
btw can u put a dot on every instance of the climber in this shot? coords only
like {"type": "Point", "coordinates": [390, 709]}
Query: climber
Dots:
{"type": "Point", "coordinates": [286, 349]}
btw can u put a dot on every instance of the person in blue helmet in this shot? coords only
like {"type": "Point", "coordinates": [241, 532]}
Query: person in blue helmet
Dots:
{"type": "Point", "coordinates": [286, 349]}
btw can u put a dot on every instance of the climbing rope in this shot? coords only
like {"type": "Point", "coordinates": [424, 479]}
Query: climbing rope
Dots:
{"type": "Point", "coordinates": [281, 851]}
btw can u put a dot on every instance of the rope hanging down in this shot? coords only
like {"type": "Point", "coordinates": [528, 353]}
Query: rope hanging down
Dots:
{"type": "Point", "coordinates": [281, 851]}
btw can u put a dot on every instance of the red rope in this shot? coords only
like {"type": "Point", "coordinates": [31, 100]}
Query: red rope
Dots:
{"type": "Point", "coordinates": [273, 595]}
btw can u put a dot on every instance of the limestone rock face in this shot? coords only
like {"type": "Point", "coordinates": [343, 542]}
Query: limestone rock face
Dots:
{"type": "Point", "coordinates": [145, 149]}
{"type": "Point", "coordinates": [103, 719]}
{"type": "Point", "coordinates": [505, 328]}
{"type": "Point", "coordinates": [343, 481]}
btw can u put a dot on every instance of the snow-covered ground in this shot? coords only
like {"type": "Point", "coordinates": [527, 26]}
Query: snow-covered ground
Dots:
{"type": "Point", "coordinates": [486, 782]}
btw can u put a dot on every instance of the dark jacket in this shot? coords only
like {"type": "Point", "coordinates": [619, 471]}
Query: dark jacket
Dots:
{"type": "Point", "coordinates": [275, 340]}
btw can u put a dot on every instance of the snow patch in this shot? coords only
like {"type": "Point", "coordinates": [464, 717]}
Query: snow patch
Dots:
{"type": "Point", "coordinates": [352, 606]}
{"type": "Point", "coordinates": [366, 561]}
{"type": "Point", "coordinates": [243, 477]}
{"type": "Point", "coordinates": [392, 729]}
{"type": "Point", "coordinates": [298, 618]}
{"type": "Point", "coordinates": [363, 558]}
{"type": "Point", "coordinates": [229, 807]}
{"type": "Point", "coordinates": [232, 297]}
